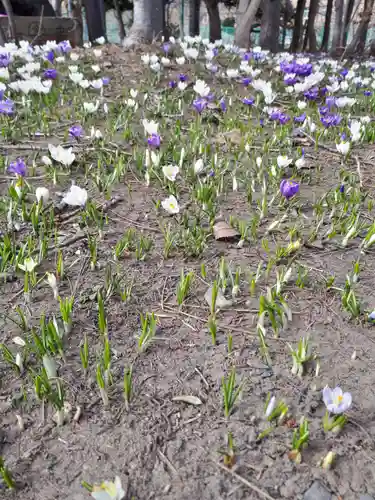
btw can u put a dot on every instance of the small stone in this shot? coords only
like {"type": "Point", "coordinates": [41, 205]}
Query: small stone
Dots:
{"type": "Point", "coordinates": [366, 497]}
{"type": "Point", "coordinates": [317, 492]}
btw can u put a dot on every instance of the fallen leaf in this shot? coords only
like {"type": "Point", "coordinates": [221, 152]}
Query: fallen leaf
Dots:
{"type": "Point", "coordinates": [221, 301]}
{"type": "Point", "coordinates": [191, 400]}
{"type": "Point", "coordinates": [224, 232]}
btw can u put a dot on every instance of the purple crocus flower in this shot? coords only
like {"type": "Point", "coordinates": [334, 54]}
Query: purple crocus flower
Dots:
{"type": "Point", "coordinates": [106, 80]}
{"type": "Point", "coordinates": [50, 56]}
{"type": "Point", "coordinates": [330, 120]}
{"type": "Point", "coordinates": [6, 107]}
{"type": "Point", "coordinates": [323, 91]}
{"type": "Point", "coordinates": [200, 104]}
{"type": "Point", "coordinates": [182, 77]}
{"type": "Point", "coordinates": [172, 84]}
{"type": "Point", "coordinates": [367, 93]}
{"type": "Point", "coordinates": [336, 401]}
{"type": "Point", "coordinates": [344, 72]}
{"type": "Point", "coordinates": [283, 118]}
{"type": "Point", "coordinates": [246, 81]}
{"type": "Point", "coordinates": [223, 105]}
{"type": "Point", "coordinates": [323, 110]}
{"type": "Point", "coordinates": [289, 80]}
{"type": "Point", "coordinates": [342, 188]}
{"type": "Point", "coordinates": [330, 101]}
{"type": "Point", "coordinates": [50, 73]}
{"type": "Point", "coordinates": [166, 47]}
{"type": "Point", "coordinates": [76, 131]}
{"type": "Point", "coordinates": [17, 167]}
{"type": "Point", "coordinates": [275, 115]}
{"type": "Point", "coordinates": [311, 94]}
{"type": "Point", "coordinates": [246, 56]}
{"type": "Point", "coordinates": [214, 68]}
{"type": "Point", "coordinates": [249, 101]}
{"type": "Point", "coordinates": [4, 60]}
{"type": "Point", "coordinates": [288, 188]}
{"type": "Point", "coordinates": [215, 51]}
{"type": "Point", "coordinates": [64, 47]}
{"type": "Point", "coordinates": [154, 141]}
{"type": "Point", "coordinates": [300, 118]}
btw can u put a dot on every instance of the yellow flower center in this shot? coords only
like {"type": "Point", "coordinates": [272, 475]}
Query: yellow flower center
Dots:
{"type": "Point", "coordinates": [339, 399]}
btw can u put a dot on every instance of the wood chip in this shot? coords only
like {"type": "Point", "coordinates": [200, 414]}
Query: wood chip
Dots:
{"type": "Point", "coordinates": [191, 400]}
{"type": "Point", "coordinates": [224, 232]}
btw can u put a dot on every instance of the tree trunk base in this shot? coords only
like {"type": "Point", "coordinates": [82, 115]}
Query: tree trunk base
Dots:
{"type": "Point", "coordinates": [137, 36]}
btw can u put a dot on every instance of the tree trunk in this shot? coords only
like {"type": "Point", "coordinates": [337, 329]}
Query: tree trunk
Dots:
{"type": "Point", "coordinates": [120, 22]}
{"type": "Point", "coordinates": [372, 47]}
{"type": "Point", "coordinates": [57, 7]}
{"type": "Point", "coordinates": [338, 26]}
{"type": "Point", "coordinates": [12, 24]}
{"type": "Point", "coordinates": [327, 26]}
{"type": "Point", "coordinates": [95, 19]}
{"type": "Point", "coordinates": [77, 14]}
{"type": "Point", "coordinates": [348, 14]}
{"type": "Point", "coordinates": [2, 37]}
{"type": "Point", "coordinates": [313, 10]}
{"type": "Point", "coordinates": [358, 43]}
{"type": "Point", "coordinates": [214, 18]}
{"type": "Point", "coordinates": [270, 26]}
{"type": "Point", "coordinates": [298, 26]}
{"type": "Point", "coordinates": [148, 22]}
{"type": "Point", "coordinates": [244, 21]}
{"type": "Point", "coordinates": [194, 17]}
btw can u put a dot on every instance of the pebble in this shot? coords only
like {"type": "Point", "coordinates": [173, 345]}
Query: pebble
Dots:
{"type": "Point", "coordinates": [317, 492]}
{"type": "Point", "coordinates": [366, 497]}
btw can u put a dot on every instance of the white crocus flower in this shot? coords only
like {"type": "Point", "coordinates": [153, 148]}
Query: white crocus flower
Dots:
{"type": "Point", "coordinates": [155, 67]}
{"type": "Point", "coordinates": [170, 204]}
{"type": "Point", "coordinates": [109, 491]}
{"type": "Point", "coordinates": [283, 161]}
{"type": "Point", "coordinates": [356, 128]}
{"type": "Point", "coordinates": [28, 265]}
{"type": "Point", "coordinates": [47, 161]}
{"type": "Point", "coordinates": [97, 53]}
{"type": "Point", "coordinates": [131, 103]}
{"type": "Point", "coordinates": [343, 148]}
{"type": "Point", "coordinates": [165, 61]}
{"type": "Point", "coordinates": [76, 196]}
{"type": "Point", "coordinates": [151, 127]}
{"type": "Point", "coordinates": [300, 162]}
{"type": "Point", "coordinates": [52, 281]}
{"type": "Point", "coordinates": [270, 407]}
{"type": "Point", "coordinates": [42, 193]}
{"type": "Point", "coordinates": [133, 93]}
{"type": "Point", "coordinates": [180, 61]}
{"type": "Point", "coordinates": [201, 88]}
{"type": "Point", "coordinates": [232, 73]}
{"type": "Point", "coordinates": [171, 172]}
{"type": "Point", "coordinates": [198, 166]}
{"type": "Point", "coordinates": [191, 53]}
{"type": "Point", "coordinates": [85, 84]}
{"type": "Point", "coordinates": [100, 40]}
{"type": "Point", "coordinates": [145, 58]}
{"type": "Point", "coordinates": [301, 104]}
{"type": "Point", "coordinates": [95, 134]}
{"type": "Point", "coordinates": [97, 84]}
{"type": "Point", "coordinates": [76, 77]}
{"type": "Point", "coordinates": [62, 155]}
{"type": "Point", "coordinates": [152, 158]}
{"type": "Point", "coordinates": [90, 107]}
{"type": "Point", "coordinates": [183, 85]}
{"type": "Point", "coordinates": [258, 161]}
{"type": "Point", "coordinates": [19, 341]}
{"type": "Point", "coordinates": [345, 101]}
